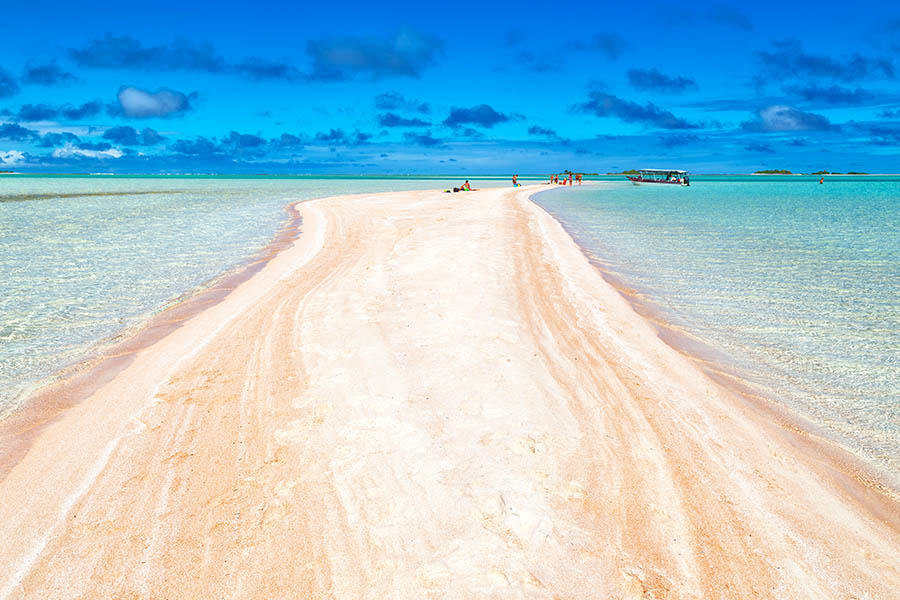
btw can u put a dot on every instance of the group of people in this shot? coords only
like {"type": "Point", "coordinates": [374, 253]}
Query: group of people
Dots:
{"type": "Point", "coordinates": [565, 180]}
{"type": "Point", "coordinates": [515, 181]}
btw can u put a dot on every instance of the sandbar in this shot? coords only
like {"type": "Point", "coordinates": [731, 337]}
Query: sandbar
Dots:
{"type": "Point", "coordinates": [431, 395]}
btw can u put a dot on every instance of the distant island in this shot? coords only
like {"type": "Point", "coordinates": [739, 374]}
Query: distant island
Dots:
{"type": "Point", "coordinates": [628, 172]}
{"type": "Point", "coordinates": [773, 172]}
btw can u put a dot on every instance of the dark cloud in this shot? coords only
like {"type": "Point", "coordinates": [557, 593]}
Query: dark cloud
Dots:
{"type": "Point", "coordinates": [890, 114]}
{"type": "Point", "coordinates": [8, 85]}
{"type": "Point", "coordinates": [788, 61]}
{"type": "Point", "coordinates": [882, 135]}
{"type": "Point", "coordinates": [680, 139]}
{"type": "Point", "coordinates": [129, 136]}
{"type": "Point", "coordinates": [757, 147]}
{"type": "Point", "coordinates": [259, 69]}
{"type": "Point", "coordinates": [47, 74]}
{"type": "Point", "coordinates": [334, 135]}
{"type": "Point", "coordinates": [798, 142]}
{"type": "Point", "coordinates": [76, 113]}
{"type": "Point", "coordinates": [610, 45]}
{"type": "Point", "coordinates": [52, 140]}
{"type": "Point", "coordinates": [395, 120]}
{"type": "Point", "coordinates": [469, 133]}
{"type": "Point", "coordinates": [72, 112]}
{"type": "Point", "coordinates": [126, 52]}
{"type": "Point", "coordinates": [421, 139]}
{"type": "Point", "coordinates": [395, 101]}
{"type": "Point", "coordinates": [37, 112]}
{"type": "Point", "coordinates": [536, 130]}
{"type": "Point", "coordinates": [407, 54]}
{"type": "Point", "coordinates": [657, 81]}
{"type": "Point", "coordinates": [339, 137]}
{"type": "Point", "coordinates": [96, 146]}
{"type": "Point", "coordinates": [16, 133]}
{"type": "Point", "coordinates": [607, 105]}
{"type": "Point", "coordinates": [726, 15]}
{"type": "Point", "coordinates": [786, 118]}
{"type": "Point", "coordinates": [834, 95]}
{"type": "Point", "coordinates": [361, 138]}
{"type": "Point", "coordinates": [287, 140]}
{"type": "Point", "coordinates": [141, 104]}
{"type": "Point", "coordinates": [244, 141]}
{"type": "Point", "coordinates": [481, 115]}
{"type": "Point", "coordinates": [200, 146]}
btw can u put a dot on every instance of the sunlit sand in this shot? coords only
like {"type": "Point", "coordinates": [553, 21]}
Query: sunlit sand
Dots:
{"type": "Point", "coordinates": [432, 395]}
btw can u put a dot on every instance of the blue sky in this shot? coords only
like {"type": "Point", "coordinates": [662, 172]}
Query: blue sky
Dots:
{"type": "Point", "coordinates": [476, 88]}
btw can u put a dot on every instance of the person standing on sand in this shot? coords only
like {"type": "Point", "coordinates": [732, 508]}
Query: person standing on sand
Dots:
{"type": "Point", "coordinates": [578, 178]}
{"type": "Point", "coordinates": [570, 180]}
{"type": "Point", "coordinates": [515, 181]}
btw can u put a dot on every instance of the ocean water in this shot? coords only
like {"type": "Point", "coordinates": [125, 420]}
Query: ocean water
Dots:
{"type": "Point", "coordinates": [793, 286]}
{"type": "Point", "coordinates": [84, 259]}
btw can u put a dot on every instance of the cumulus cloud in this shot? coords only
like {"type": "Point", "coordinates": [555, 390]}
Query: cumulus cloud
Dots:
{"type": "Point", "coordinates": [340, 137]}
{"type": "Point", "coordinates": [200, 146]}
{"type": "Point", "coordinates": [54, 139]}
{"type": "Point", "coordinates": [395, 120]}
{"type": "Point", "coordinates": [47, 74]}
{"type": "Point", "coordinates": [71, 150]}
{"type": "Point", "coordinates": [11, 157]}
{"type": "Point", "coordinates": [481, 115]}
{"type": "Point", "coordinates": [655, 80]}
{"type": "Point", "coordinates": [8, 85]}
{"type": "Point", "coordinates": [786, 118]}
{"type": "Point", "coordinates": [129, 136]}
{"type": "Point", "coordinates": [406, 54]}
{"type": "Point", "coordinates": [16, 133]}
{"type": "Point", "coordinates": [608, 105]}
{"type": "Point", "coordinates": [244, 141]}
{"type": "Point", "coordinates": [287, 140]}
{"type": "Point", "coordinates": [395, 101]}
{"type": "Point", "coordinates": [141, 104]}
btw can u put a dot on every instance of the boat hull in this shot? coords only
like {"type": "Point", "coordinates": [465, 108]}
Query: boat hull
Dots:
{"type": "Point", "coordinates": [642, 181]}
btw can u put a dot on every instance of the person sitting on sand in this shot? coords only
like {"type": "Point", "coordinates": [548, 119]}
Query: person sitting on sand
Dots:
{"type": "Point", "coordinates": [466, 187]}
{"type": "Point", "coordinates": [515, 181]}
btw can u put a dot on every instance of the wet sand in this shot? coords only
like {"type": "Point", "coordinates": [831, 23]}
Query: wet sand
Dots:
{"type": "Point", "coordinates": [431, 395]}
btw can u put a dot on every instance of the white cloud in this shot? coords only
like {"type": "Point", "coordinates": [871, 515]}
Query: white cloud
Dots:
{"type": "Point", "coordinates": [12, 157]}
{"type": "Point", "coordinates": [70, 150]}
{"type": "Point", "coordinates": [139, 103]}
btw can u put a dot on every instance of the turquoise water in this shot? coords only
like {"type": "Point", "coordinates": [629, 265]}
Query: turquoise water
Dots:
{"type": "Point", "coordinates": [795, 285]}
{"type": "Point", "coordinates": [77, 268]}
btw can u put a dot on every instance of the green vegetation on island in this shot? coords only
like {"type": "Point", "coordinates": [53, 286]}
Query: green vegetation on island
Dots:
{"type": "Point", "coordinates": [628, 172]}
{"type": "Point", "coordinates": [773, 172]}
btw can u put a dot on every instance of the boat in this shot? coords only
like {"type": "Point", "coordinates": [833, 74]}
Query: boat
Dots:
{"type": "Point", "coordinates": [669, 176]}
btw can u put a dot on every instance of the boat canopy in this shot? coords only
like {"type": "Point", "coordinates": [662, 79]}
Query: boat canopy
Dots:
{"type": "Point", "coordinates": [666, 175]}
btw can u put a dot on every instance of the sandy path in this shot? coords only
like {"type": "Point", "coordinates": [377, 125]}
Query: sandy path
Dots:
{"type": "Point", "coordinates": [430, 395]}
